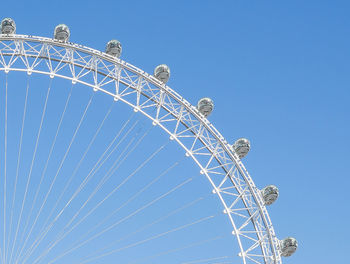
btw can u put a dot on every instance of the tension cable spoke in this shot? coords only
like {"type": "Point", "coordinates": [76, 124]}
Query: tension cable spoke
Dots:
{"type": "Point", "coordinates": [68, 149]}
{"type": "Point", "coordinates": [150, 224]}
{"type": "Point", "coordinates": [135, 196]}
{"type": "Point", "coordinates": [18, 163]}
{"type": "Point", "coordinates": [148, 239]}
{"type": "Point", "coordinates": [32, 163]}
{"type": "Point", "coordinates": [112, 192]}
{"type": "Point", "coordinates": [196, 244]}
{"type": "Point", "coordinates": [5, 169]}
{"type": "Point", "coordinates": [86, 240]}
{"type": "Point", "coordinates": [45, 168]}
{"type": "Point", "coordinates": [90, 174]}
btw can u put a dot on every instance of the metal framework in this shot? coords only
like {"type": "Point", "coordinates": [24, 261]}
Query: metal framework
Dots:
{"type": "Point", "coordinates": [242, 200]}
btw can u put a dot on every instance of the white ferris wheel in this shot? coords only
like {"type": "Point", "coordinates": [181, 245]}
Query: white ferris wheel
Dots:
{"type": "Point", "coordinates": [86, 179]}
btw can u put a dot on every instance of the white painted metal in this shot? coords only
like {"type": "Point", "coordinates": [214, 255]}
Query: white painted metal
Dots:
{"type": "Point", "coordinates": [241, 199]}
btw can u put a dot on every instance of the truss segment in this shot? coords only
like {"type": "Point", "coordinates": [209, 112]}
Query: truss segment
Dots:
{"type": "Point", "coordinates": [200, 140]}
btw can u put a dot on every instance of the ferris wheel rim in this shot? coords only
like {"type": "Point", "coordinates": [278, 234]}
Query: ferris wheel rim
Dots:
{"type": "Point", "coordinates": [274, 244]}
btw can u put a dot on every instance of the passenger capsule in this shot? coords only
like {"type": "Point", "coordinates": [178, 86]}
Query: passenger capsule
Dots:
{"type": "Point", "coordinates": [8, 26]}
{"type": "Point", "coordinates": [62, 32]}
{"type": "Point", "coordinates": [269, 194]}
{"type": "Point", "coordinates": [288, 246]}
{"type": "Point", "coordinates": [205, 106]}
{"type": "Point", "coordinates": [241, 147]}
{"type": "Point", "coordinates": [114, 48]}
{"type": "Point", "coordinates": [162, 73]}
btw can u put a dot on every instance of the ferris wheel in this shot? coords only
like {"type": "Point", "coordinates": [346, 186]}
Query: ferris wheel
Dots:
{"type": "Point", "coordinates": [76, 158]}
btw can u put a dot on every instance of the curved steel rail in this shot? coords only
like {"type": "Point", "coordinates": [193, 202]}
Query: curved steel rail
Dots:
{"type": "Point", "coordinates": [192, 131]}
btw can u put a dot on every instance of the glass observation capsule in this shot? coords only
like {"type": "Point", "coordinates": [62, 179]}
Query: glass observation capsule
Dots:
{"type": "Point", "coordinates": [269, 194]}
{"type": "Point", "coordinates": [114, 48]}
{"type": "Point", "coordinates": [8, 26]}
{"type": "Point", "coordinates": [62, 32]}
{"type": "Point", "coordinates": [162, 73]}
{"type": "Point", "coordinates": [205, 106]}
{"type": "Point", "coordinates": [288, 246]}
{"type": "Point", "coordinates": [241, 147]}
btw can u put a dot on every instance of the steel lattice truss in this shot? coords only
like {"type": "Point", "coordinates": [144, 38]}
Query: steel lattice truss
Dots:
{"type": "Point", "coordinates": [241, 199]}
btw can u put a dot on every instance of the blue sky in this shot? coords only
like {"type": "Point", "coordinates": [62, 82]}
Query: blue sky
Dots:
{"type": "Point", "coordinates": [278, 72]}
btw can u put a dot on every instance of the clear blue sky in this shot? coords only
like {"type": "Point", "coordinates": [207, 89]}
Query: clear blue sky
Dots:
{"type": "Point", "coordinates": [278, 72]}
